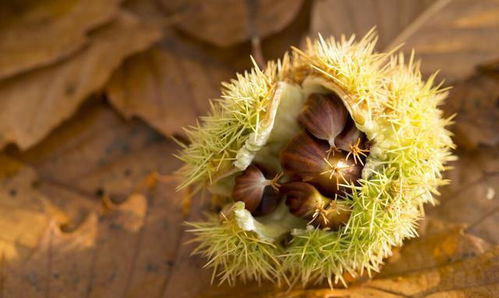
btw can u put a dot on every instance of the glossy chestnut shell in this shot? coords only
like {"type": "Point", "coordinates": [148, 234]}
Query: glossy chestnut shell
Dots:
{"type": "Point", "coordinates": [324, 116]}
{"type": "Point", "coordinates": [259, 194]}
{"type": "Point", "coordinates": [313, 162]}
{"type": "Point", "coordinates": [305, 201]}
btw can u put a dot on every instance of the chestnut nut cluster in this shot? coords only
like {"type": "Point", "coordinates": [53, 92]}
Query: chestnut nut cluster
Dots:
{"type": "Point", "coordinates": [318, 162]}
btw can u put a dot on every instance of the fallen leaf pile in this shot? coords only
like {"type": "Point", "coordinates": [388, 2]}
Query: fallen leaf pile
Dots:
{"type": "Point", "coordinates": [91, 93]}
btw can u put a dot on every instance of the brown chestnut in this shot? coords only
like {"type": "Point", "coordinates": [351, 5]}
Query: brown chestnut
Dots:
{"type": "Point", "coordinates": [311, 160]}
{"type": "Point", "coordinates": [306, 202]}
{"type": "Point", "coordinates": [324, 116]}
{"type": "Point", "coordinates": [259, 194]}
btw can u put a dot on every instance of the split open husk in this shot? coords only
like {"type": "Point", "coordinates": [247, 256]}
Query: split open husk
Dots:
{"type": "Point", "coordinates": [389, 102]}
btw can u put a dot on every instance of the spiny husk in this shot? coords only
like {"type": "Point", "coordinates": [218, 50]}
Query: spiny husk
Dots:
{"type": "Point", "coordinates": [391, 104]}
{"type": "Point", "coordinates": [234, 253]}
{"type": "Point", "coordinates": [241, 111]}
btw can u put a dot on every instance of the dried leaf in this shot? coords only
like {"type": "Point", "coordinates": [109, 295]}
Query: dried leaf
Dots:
{"type": "Point", "coordinates": [475, 102]}
{"type": "Point", "coordinates": [391, 17]}
{"type": "Point", "coordinates": [38, 33]}
{"type": "Point", "coordinates": [98, 155]}
{"type": "Point", "coordinates": [465, 277]}
{"type": "Point", "coordinates": [449, 35]}
{"type": "Point", "coordinates": [180, 284]}
{"type": "Point", "coordinates": [48, 271]}
{"type": "Point", "coordinates": [471, 197]}
{"type": "Point", "coordinates": [127, 243]}
{"type": "Point", "coordinates": [32, 104]}
{"type": "Point", "coordinates": [490, 68]}
{"type": "Point", "coordinates": [456, 37]}
{"type": "Point", "coordinates": [435, 249]}
{"type": "Point", "coordinates": [227, 22]}
{"type": "Point", "coordinates": [25, 213]}
{"type": "Point", "coordinates": [168, 86]}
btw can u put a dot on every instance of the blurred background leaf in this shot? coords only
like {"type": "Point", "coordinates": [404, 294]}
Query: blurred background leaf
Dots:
{"type": "Point", "coordinates": [39, 33]}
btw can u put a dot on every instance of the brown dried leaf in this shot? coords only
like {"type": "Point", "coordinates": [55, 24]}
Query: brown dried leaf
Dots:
{"type": "Point", "coordinates": [227, 22]}
{"type": "Point", "coordinates": [456, 37]}
{"type": "Point", "coordinates": [449, 35]}
{"type": "Point", "coordinates": [464, 278]}
{"type": "Point", "coordinates": [48, 271]}
{"type": "Point", "coordinates": [38, 33]}
{"type": "Point", "coordinates": [475, 101]}
{"type": "Point", "coordinates": [391, 17]}
{"type": "Point", "coordinates": [24, 211]}
{"type": "Point", "coordinates": [490, 68]}
{"type": "Point", "coordinates": [471, 198]}
{"type": "Point", "coordinates": [180, 284]}
{"type": "Point", "coordinates": [434, 249]}
{"type": "Point", "coordinates": [169, 85]}
{"type": "Point", "coordinates": [127, 243]}
{"type": "Point", "coordinates": [32, 104]}
{"type": "Point", "coordinates": [98, 155]}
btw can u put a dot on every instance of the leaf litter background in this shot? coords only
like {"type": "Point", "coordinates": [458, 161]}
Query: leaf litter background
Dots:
{"type": "Point", "coordinates": [91, 92]}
